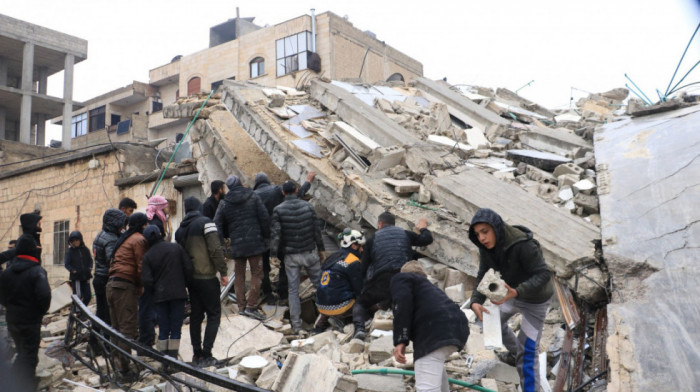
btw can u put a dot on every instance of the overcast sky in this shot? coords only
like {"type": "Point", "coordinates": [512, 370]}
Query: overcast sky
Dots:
{"type": "Point", "coordinates": [588, 45]}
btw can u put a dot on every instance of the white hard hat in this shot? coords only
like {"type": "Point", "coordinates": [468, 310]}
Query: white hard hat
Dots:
{"type": "Point", "coordinates": [349, 237]}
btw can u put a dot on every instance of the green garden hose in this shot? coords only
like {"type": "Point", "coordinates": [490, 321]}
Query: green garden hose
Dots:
{"type": "Point", "coordinates": [412, 373]}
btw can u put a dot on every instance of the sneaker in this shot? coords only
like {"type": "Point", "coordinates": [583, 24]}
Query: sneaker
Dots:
{"type": "Point", "coordinates": [359, 334]}
{"type": "Point", "coordinates": [300, 332]}
{"type": "Point", "coordinates": [207, 362]}
{"type": "Point", "coordinates": [336, 323]}
{"type": "Point", "coordinates": [254, 313]}
{"type": "Point", "coordinates": [506, 357]}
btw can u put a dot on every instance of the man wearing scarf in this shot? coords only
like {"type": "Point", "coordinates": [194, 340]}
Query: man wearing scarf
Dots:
{"type": "Point", "coordinates": [124, 286]}
{"type": "Point", "coordinates": [156, 212]}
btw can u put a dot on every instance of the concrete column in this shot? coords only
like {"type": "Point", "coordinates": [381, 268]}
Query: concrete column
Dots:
{"type": "Point", "coordinates": [3, 118]}
{"type": "Point", "coordinates": [43, 79]}
{"type": "Point", "coordinates": [40, 130]}
{"type": "Point", "coordinates": [67, 99]}
{"type": "Point", "coordinates": [3, 71]}
{"type": "Point", "coordinates": [25, 116]}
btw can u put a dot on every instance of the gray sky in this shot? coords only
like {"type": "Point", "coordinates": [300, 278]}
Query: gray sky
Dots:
{"type": "Point", "coordinates": [558, 44]}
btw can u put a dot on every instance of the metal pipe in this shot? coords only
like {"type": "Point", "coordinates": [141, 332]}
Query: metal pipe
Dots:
{"type": "Point", "coordinates": [313, 30]}
{"type": "Point", "coordinates": [227, 288]}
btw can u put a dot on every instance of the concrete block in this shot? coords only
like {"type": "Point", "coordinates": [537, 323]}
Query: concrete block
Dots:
{"type": "Point", "coordinates": [504, 175]}
{"type": "Point", "coordinates": [439, 271]}
{"type": "Point", "coordinates": [587, 202]}
{"type": "Point", "coordinates": [489, 383]}
{"type": "Point", "coordinates": [309, 372]}
{"type": "Point", "coordinates": [422, 196]}
{"type": "Point", "coordinates": [492, 286]}
{"type": "Point", "coordinates": [568, 168]}
{"type": "Point", "coordinates": [539, 175]}
{"type": "Point", "coordinates": [455, 293]}
{"type": "Point", "coordinates": [403, 186]}
{"type": "Point", "coordinates": [476, 138]}
{"type": "Point", "coordinates": [276, 101]}
{"type": "Point", "coordinates": [354, 346]}
{"type": "Point", "coordinates": [268, 376]}
{"type": "Point", "coordinates": [383, 105]}
{"type": "Point", "coordinates": [60, 297]}
{"type": "Point", "coordinates": [381, 349]}
{"type": "Point", "coordinates": [379, 383]}
{"type": "Point", "coordinates": [383, 158]}
{"type": "Point", "coordinates": [453, 277]}
{"type": "Point", "coordinates": [346, 384]}
{"type": "Point", "coordinates": [567, 179]}
{"type": "Point", "coordinates": [493, 340]}
{"type": "Point", "coordinates": [504, 373]}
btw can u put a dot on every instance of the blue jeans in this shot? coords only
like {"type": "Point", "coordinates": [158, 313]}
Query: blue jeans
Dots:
{"type": "Point", "coordinates": [147, 319]}
{"type": "Point", "coordinates": [170, 316]}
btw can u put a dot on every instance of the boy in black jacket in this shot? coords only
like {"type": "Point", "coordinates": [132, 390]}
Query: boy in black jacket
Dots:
{"type": "Point", "coordinates": [25, 292]}
{"type": "Point", "coordinates": [425, 315]}
{"type": "Point", "coordinates": [79, 263]}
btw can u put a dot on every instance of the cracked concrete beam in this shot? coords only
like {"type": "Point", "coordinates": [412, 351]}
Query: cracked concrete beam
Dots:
{"type": "Point", "coordinates": [460, 106]}
{"type": "Point", "coordinates": [368, 120]}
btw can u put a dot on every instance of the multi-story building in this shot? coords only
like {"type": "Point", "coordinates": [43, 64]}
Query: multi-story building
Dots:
{"type": "Point", "coordinates": [29, 54]}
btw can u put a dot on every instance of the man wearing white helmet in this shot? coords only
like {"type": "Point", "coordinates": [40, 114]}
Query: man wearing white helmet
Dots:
{"type": "Point", "coordinates": [341, 281]}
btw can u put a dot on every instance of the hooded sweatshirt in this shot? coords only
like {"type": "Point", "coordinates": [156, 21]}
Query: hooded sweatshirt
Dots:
{"type": "Point", "coordinates": [78, 260]}
{"type": "Point", "coordinates": [24, 287]}
{"type": "Point", "coordinates": [517, 256]}
{"type": "Point", "coordinates": [200, 238]}
{"type": "Point", "coordinates": [167, 269]}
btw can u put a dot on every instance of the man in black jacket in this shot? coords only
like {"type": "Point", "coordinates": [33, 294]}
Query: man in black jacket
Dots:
{"type": "Point", "coordinates": [295, 233]}
{"type": "Point", "coordinates": [212, 203]}
{"type": "Point", "coordinates": [166, 273]}
{"type": "Point", "coordinates": [200, 238]}
{"type": "Point", "coordinates": [271, 196]}
{"type": "Point", "coordinates": [113, 221]}
{"type": "Point", "coordinates": [31, 225]}
{"type": "Point", "coordinates": [512, 251]}
{"type": "Point", "coordinates": [384, 255]}
{"type": "Point", "coordinates": [25, 292]}
{"type": "Point", "coordinates": [78, 262]}
{"type": "Point", "coordinates": [242, 217]}
{"type": "Point", "coordinates": [425, 315]}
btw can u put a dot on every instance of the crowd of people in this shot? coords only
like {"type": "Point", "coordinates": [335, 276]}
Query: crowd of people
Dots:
{"type": "Point", "coordinates": [143, 275]}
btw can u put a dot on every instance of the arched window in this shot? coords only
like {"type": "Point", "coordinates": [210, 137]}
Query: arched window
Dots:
{"type": "Point", "coordinates": [257, 67]}
{"type": "Point", "coordinates": [194, 85]}
{"type": "Point", "coordinates": [396, 77]}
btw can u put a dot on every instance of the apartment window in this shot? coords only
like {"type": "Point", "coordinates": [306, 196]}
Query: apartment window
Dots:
{"type": "Point", "coordinates": [79, 125]}
{"type": "Point", "coordinates": [114, 119]}
{"type": "Point", "coordinates": [292, 53]}
{"type": "Point", "coordinates": [157, 106]}
{"type": "Point", "coordinates": [60, 241]}
{"type": "Point", "coordinates": [194, 85]}
{"type": "Point", "coordinates": [97, 119]}
{"type": "Point", "coordinates": [257, 67]}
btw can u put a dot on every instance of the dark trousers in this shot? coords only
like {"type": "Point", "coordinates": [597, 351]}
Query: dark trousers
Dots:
{"type": "Point", "coordinates": [266, 286]}
{"type": "Point", "coordinates": [375, 292]}
{"type": "Point", "coordinates": [123, 300]}
{"type": "Point", "coordinates": [27, 338]}
{"type": "Point", "coordinates": [170, 316]}
{"type": "Point", "coordinates": [99, 283]}
{"type": "Point", "coordinates": [283, 283]}
{"type": "Point", "coordinates": [204, 298]}
{"type": "Point", "coordinates": [81, 288]}
{"type": "Point", "coordinates": [147, 319]}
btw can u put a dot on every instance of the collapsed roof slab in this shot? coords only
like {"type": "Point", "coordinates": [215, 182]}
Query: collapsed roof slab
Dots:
{"type": "Point", "coordinates": [557, 141]}
{"type": "Point", "coordinates": [460, 106]}
{"type": "Point", "coordinates": [649, 187]}
{"type": "Point", "coordinates": [368, 120]}
{"type": "Point", "coordinates": [567, 240]}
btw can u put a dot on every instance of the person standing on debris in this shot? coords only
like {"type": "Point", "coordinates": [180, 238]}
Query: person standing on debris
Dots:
{"type": "Point", "coordinates": [242, 217]}
{"type": "Point", "coordinates": [25, 293]}
{"type": "Point", "coordinates": [127, 206]}
{"type": "Point", "coordinates": [512, 251]}
{"type": "Point", "coordinates": [78, 262]}
{"type": "Point", "coordinates": [113, 221]}
{"type": "Point", "coordinates": [156, 212]}
{"type": "Point", "coordinates": [341, 281]}
{"type": "Point", "coordinates": [166, 273]}
{"type": "Point", "coordinates": [296, 234]}
{"type": "Point", "coordinates": [425, 315]}
{"type": "Point", "coordinates": [383, 257]}
{"type": "Point", "coordinates": [200, 238]}
{"type": "Point", "coordinates": [124, 287]}
{"type": "Point", "coordinates": [271, 196]}
{"type": "Point", "coordinates": [212, 203]}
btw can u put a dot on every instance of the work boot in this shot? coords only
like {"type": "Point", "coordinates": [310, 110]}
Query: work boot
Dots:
{"type": "Point", "coordinates": [173, 347]}
{"type": "Point", "coordinates": [162, 346]}
{"type": "Point", "coordinates": [254, 313]}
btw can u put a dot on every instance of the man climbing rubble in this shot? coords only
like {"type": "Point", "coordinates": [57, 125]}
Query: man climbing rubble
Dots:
{"type": "Point", "coordinates": [512, 251]}
{"type": "Point", "coordinates": [295, 232]}
{"type": "Point", "coordinates": [383, 257]}
{"type": "Point", "coordinates": [341, 281]}
{"type": "Point", "coordinates": [199, 236]}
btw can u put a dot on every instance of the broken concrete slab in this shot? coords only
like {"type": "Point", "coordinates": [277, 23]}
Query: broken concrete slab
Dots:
{"type": "Point", "coordinates": [306, 372]}
{"type": "Point", "coordinates": [60, 297]}
{"type": "Point", "coordinates": [381, 349]}
{"type": "Point", "coordinates": [403, 186]}
{"type": "Point", "coordinates": [493, 339]}
{"type": "Point", "coordinates": [649, 185]}
{"type": "Point", "coordinates": [361, 143]}
{"type": "Point", "coordinates": [543, 160]}
{"type": "Point", "coordinates": [557, 141]}
{"type": "Point", "coordinates": [504, 373]}
{"type": "Point", "coordinates": [380, 383]}
{"type": "Point", "coordinates": [460, 106]}
{"type": "Point", "coordinates": [449, 143]}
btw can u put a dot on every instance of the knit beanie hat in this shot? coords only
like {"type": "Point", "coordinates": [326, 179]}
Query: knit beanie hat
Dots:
{"type": "Point", "coordinates": [192, 204]}
{"type": "Point", "coordinates": [232, 181]}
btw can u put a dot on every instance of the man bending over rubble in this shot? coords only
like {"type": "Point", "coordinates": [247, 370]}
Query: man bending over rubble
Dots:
{"type": "Point", "coordinates": [383, 257]}
{"type": "Point", "coordinates": [425, 315]}
{"type": "Point", "coordinates": [512, 251]}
